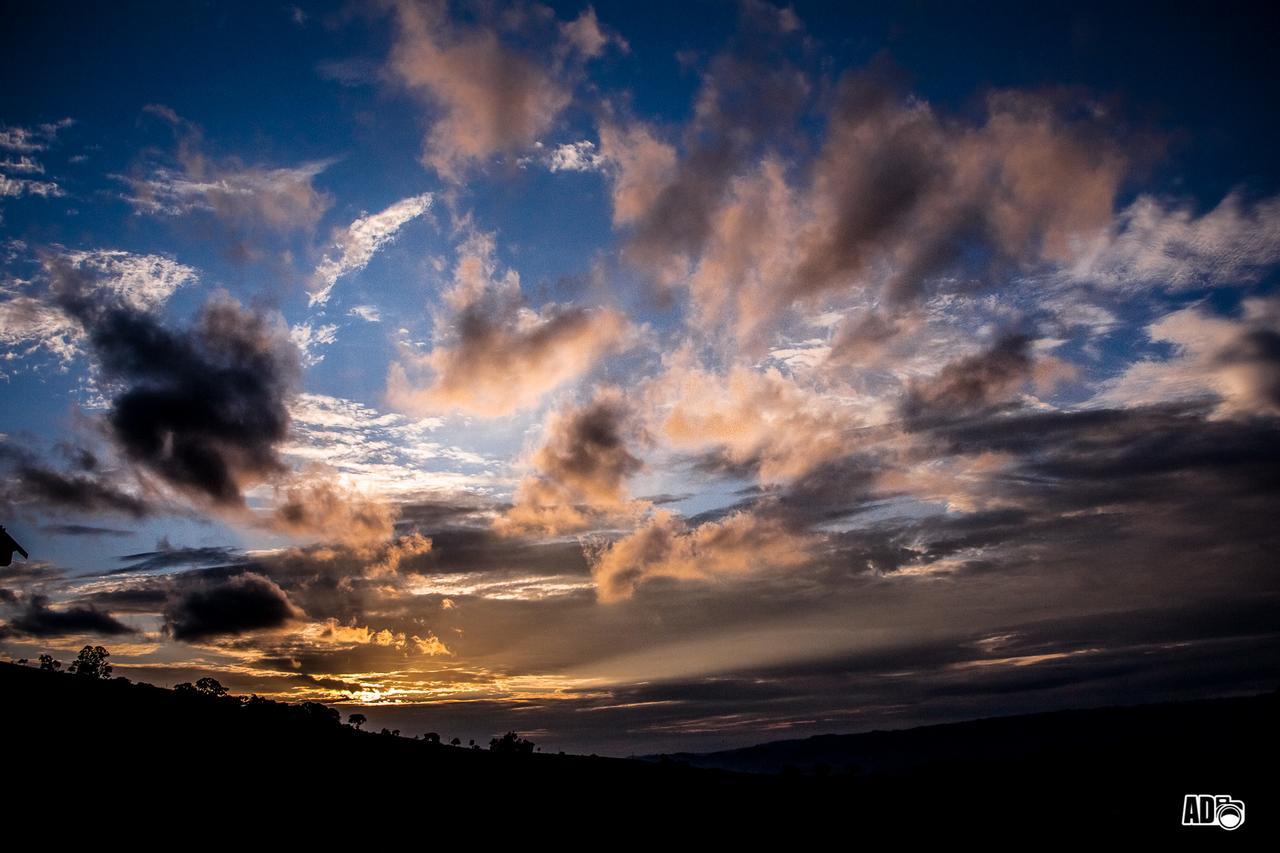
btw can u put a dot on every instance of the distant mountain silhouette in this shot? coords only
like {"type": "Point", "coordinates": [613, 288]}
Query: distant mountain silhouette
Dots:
{"type": "Point", "coordinates": [1200, 732]}
{"type": "Point", "coordinates": [1101, 773]}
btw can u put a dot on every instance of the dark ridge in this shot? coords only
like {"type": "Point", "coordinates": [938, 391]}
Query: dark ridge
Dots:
{"type": "Point", "coordinates": [1105, 773]}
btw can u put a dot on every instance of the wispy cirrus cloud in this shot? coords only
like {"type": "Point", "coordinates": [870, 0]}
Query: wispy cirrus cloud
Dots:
{"type": "Point", "coordinates": [29, 140]}
{"type": "Point", "coordinates": [16, 187]}
{"type": "Point", "coordinates": [1166, 246]}
{"type": "Point", "coordinates": [389, 454]}
{"type": "Point", "coordinates": [243, 196]}
{"type": "Point", "coordinates": [356, 244]}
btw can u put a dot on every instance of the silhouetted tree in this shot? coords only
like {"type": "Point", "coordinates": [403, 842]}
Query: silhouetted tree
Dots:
{"type": "Point", "coordinates": [432, 737]}
{"type": "Point", "coordinates": [511, 744]}
{"type": "Point", "coordinates": [210, 687]}
{"type": "Point", "coordinates": [48, 663]}
{"type": "Point", "coordinates": [185, 687]}
{"type": "Point", "coordinates": [321, 713]}
{"type": "Point", "coordinates": [456, 742]}
{"type": "Point", "coordinates": [357, 720]}
{"type": "Point", "coordinates": [92, 663]}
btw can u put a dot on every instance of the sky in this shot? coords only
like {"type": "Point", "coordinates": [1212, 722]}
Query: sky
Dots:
{"type": "Point", "coordinates": [644, 379]}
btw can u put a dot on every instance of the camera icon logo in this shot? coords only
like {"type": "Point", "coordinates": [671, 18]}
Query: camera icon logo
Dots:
{"type": "Point", "coordinates": [1220, 810]}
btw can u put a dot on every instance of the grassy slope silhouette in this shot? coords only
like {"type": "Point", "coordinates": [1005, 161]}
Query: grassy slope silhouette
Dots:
{"type": "Point", "coordinates": [1119, 769]}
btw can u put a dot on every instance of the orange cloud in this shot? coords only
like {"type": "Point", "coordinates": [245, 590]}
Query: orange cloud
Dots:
{"type": "Point", "coordinates": [501, 355]}
{"type": "Point", "coordinates": [886, 211]}
{"type": "Point", "coordinates": [579, 472]}
{"type": "Point", "coordinates": [491, 98]}
{"type": "Point", "coordinates": [313, 504]}
{"type": "Point", "coordinates": [758, 419]}
{"type": "Point", "coordinates": [665, 546]}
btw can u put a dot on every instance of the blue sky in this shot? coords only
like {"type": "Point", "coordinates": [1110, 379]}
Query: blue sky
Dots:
{"type": "Point", "coordinates": [524, 359]}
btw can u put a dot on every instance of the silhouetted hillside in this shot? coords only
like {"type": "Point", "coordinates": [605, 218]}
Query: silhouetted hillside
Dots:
{"type": "Point", "coordinates": [1122, 770]}
{"type": "Point", "coordinates": [1203, 734]}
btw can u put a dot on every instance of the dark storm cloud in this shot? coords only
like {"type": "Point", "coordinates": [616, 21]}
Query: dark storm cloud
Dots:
{"type": "Point", "coordinates": [205, 408]}
{"type": "Point", "coordinates": [234, 605]}
{"type": "Point", "coordinates": [37, 619]}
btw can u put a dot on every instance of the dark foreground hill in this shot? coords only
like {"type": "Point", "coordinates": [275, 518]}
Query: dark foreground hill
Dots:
{"type": "Point", "coordinates": [162, 753]}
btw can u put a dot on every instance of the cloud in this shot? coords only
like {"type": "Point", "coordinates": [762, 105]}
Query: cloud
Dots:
{"type": "Point", "coordinates": [760, 423]}
{"type": "Point", "coordinates": [578, 156]}
{"type": "Point", "coordinates": [29, 324]}
{"type": "Point", "coordinates": [332, 633]}
{"type": "Point", "coordinates": [231, 606]}
{"type": "Point", "coordinates": [23, 164]}
{"type": "Point", "coordinates": [392, 555]}
{"type": "Point", "coordinates": [391, 455]}
{"type": "Point", "coordinates": [84, 530]}
{"type": "Point", "coordinates": [203, 409]}
{"type": "Point", "coordinates": [357, 244]}
{"type": "Point", "coordinates": [166, 557]}
{"type": "Point", "coordinates": [247, 197]}
{"type": "Point", "coordinates": [308, 338]}
{"type": "Point", "coordinates": [27, 140]}
{"type": "Point", "coordinates": [585, 35]}
{"type": "Point", "coordinates": [897, 204]}
{"type": "Point", "coordinates": [37, 619]}
{"type": "Point", "coordinates": [1027, 184]}
{"type": "Point", "coordinates": [641, 166]}
{"type": "Point", "coordinates": [1235, 361]}
{"type": "Point", "coordinates": [142, 282]}
{"type": "Point", "coordinates": [501, 355]}
{"type": "Point", "coordinates": [1155, 244]}
{"type": "Point", "coordinates": [24, 142]}
{"type": "Point", "coordinates": [666, 547]}
{"type": "Point", "coordinates": [491, 98]}
{"type": "Point", "coordinates": [746, 96]}
{"type": "Point", "coordinates": [368, 313]}
{"type": "Point", "coordinates": [580, 470]}
{"type": "Point", "coordinates": [29, 481]}
{"type": "Point", "coordinates": [279, 199]}
{"type": "Point", "coordinates": [972, 383]}
{"type": "Point", "coordinates": [313, 504]}
{"type": "Point", "coordinates": [15, 187]}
